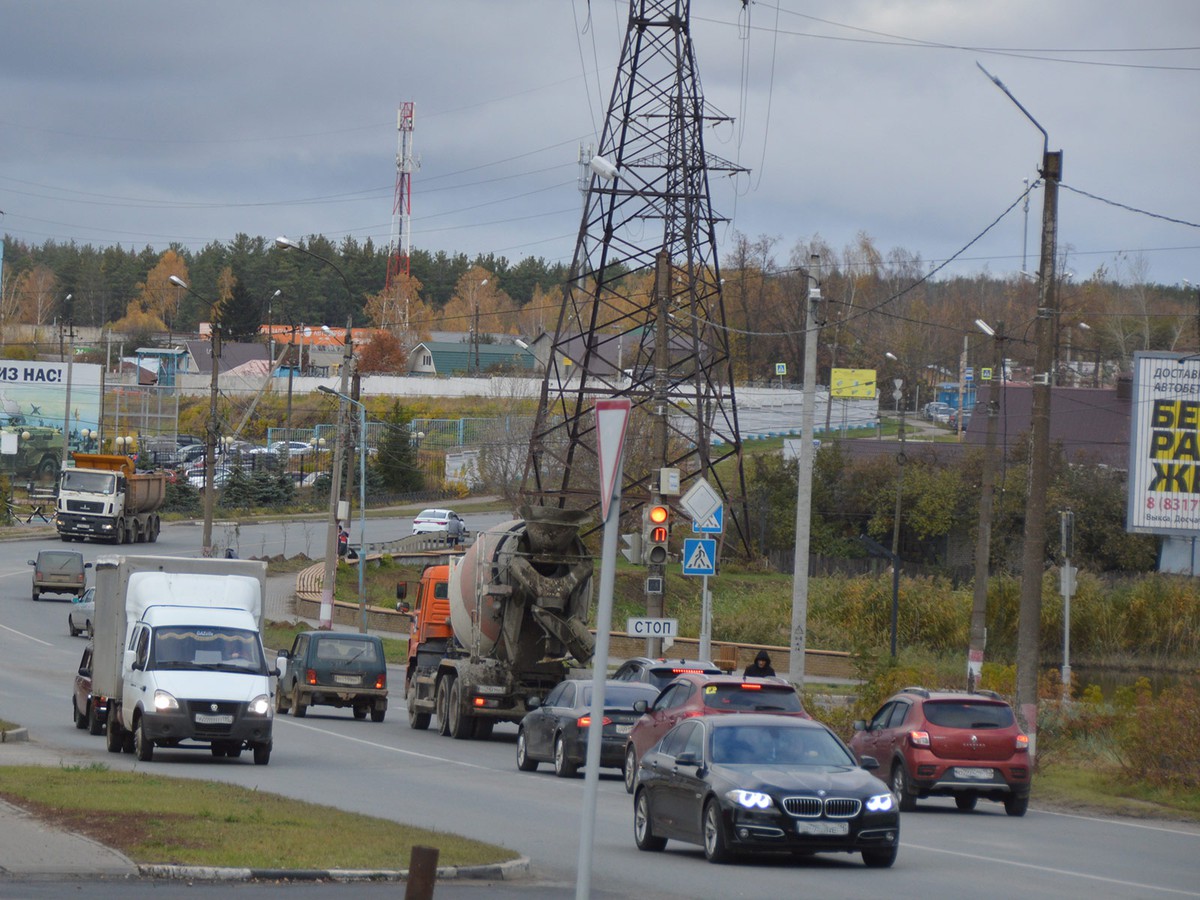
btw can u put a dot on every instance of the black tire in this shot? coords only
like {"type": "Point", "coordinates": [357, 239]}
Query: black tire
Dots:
{"type": "Point", "coordinates": [417, 721]}
{"type": "Point", "coordinates": [299, 707]}
{"type": "Point", "coordinates": [899, 785]}
{"type": "Point", "coordinates": [282, 701]}
{"type": "Point", "coordinates": [716, 843]}
{"type": "Point", "coordinates": [217, 749]}
{"type": "Point", "coordinates": [483, 728]}
{"type": "Point", "coordinates": [442, 705]}
{"type": "Point", "coordinates": [360, 711]}
{"type": "Point", "coordinates": [119, 532]}
{"type": "Point", "coordinates": [80, 719]}
{"type": "Point", "coordinates": [91, 632]}
{"type": "Point", "coordinates": [75, 632]}
{"type": "Point", "coordinates": [47, 469]}
{"type": "Point", "coordinates": [262, 754]}
{"type": "Point", "coordinates": [378, 713]}
{"type": "Point", "coordinates": [233, 751]}
{"type": "Point", "coordinates": [113, 739]}
{"type": "Point", "coordinates": [563, 767]}
{"type": "Point", "coordinates": [155, 526]}
{"type": "Point", "coordinates": [965, 802]}
{"type": "Point", "coordinates": [880, 858]}
{"type": "Point", "coordinates": [630, 769]}
{"type": "Point", "coordinates": [462, 726]}
{"type": "Point", "coordinates": [643, 832]}
{"type": "Point", "coordinates": [524, 761]}
{"type": "Point", "coordinates": [94, 725]}
{"type": "Point", "coordinates": [36, 596]}
{"type": "Point", "coordinates": [1016, 806]}
{"type": "Point", "coordinates": [143, 747]}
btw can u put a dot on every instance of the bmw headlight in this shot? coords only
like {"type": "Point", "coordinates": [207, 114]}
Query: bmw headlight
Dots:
{"type": "Point", "coordinates": [881, 803]}
{"type": "Point", "coordinates": [750, 799]}
{"type": "Point", "coordinates": [164, 701]}
{"type": "Point", "coordinates": [260, 706]}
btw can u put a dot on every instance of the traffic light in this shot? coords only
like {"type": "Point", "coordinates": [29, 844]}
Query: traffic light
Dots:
{"type": "Point", "coordinates": [632, 550]}
{"type": "Point", "coordinates": [656, 530]}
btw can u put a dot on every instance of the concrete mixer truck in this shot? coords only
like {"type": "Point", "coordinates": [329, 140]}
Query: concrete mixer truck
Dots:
{"type": "Point", "coordinates": [500, 624]}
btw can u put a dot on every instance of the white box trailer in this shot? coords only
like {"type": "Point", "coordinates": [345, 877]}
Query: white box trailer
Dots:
{"type": "Point", "coordinates": [178, 650]}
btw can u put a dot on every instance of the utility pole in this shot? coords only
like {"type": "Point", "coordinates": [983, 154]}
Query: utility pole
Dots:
{"type": "Point", "coordinates": [1033, 557]}
{"type": "Point", "coordinates": [656, 572]}
{"type": "Point", "coordinates": [901, 460]}
{"type": "Point", "coordinates": [799, 635]}
{"type": "Point", "coordinates": [335, 483]}
{"type": "Point", "coordinates": [983, 539]}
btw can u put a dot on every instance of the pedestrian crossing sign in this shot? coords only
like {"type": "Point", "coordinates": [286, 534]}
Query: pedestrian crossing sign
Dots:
{"type": "Point", "coordinates": [699, 556]}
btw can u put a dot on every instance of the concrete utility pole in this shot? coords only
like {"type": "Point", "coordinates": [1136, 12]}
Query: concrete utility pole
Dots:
{"type": "Point", "coordinates": [335, 484]}
{"type": "Point", "coordinates": [662, 365]}
{"type": "Point", "coordinates": [983, 540]}
{"type": "Point", "coordinates": [804, 482]}
{"type": "Point", "coordinates": [1033, 557]}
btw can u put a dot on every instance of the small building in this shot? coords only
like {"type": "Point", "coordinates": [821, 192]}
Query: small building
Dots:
{"type": "Point", "coordinates": [461, 358]}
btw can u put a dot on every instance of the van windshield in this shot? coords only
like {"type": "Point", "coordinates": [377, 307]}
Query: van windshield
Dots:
{"type": "Point", "coordinates": [222, 649]}
{"type": "Point", "coordinates": [90, 482]}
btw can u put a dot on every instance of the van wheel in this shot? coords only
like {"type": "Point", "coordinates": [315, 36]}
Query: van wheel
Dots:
{"type": "Point", "coordinates": [262, 754]}
{"type": "Point", "coordinates": [143, 747]}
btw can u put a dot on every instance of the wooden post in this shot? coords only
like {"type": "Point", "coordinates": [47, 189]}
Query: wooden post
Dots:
{"type": "Point", "coordinates": [422, 873]}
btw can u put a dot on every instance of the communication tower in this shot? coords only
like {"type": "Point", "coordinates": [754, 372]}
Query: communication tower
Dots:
{"type": "Point", "coordinates": [400, 246]}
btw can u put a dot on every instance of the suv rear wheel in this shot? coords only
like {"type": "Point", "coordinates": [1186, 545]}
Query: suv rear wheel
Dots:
{"type": "Point", "coordinates": [1016, 806]}
{"type": "Point", "coordinates": [899, 785]}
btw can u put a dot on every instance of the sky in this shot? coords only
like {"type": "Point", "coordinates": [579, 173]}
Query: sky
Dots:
{"type": "Point", "coordinates": [146, 122]}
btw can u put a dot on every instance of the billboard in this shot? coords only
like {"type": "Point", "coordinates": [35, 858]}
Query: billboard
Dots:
{"type": "Point", "coordinates": [34, 395]}
{"type": "Point", "coordinates": [845, 383]}
{"type": "Point", "coordinates": [1164, 450]}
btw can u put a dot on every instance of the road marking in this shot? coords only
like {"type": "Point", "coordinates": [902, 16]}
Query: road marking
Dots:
{"type": "Point", "coordinates": [30, 636]}
{"type": "Point", "coordinates": [378, 746]}
{"type": "Point", "coordinates": [1012, 862]}
{"type": "Point", "coordinates": [1106, 821]}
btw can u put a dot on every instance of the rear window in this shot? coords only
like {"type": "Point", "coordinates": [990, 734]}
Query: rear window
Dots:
{"type": "Point", "coordinates": [969, 714]}
{"type": "Point", "coordinates": [752, 697]}
{"type": "Point", "coordinates": [619, 694]}
{"type": "Point", "coordinates": [341, 650]}
{"type": "Point", "coordinates": [59, 560]}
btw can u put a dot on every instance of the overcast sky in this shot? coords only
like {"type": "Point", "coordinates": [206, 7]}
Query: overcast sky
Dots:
{"type": "Point", "coordinates": [150, 122]}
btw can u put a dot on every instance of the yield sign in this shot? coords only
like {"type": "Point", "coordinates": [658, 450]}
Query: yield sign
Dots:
{"type": "Point", "coordinates": [612, 415]}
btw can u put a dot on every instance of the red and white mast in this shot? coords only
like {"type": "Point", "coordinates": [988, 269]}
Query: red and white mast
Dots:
{"type": "Point", "coordinates": [400, 246]}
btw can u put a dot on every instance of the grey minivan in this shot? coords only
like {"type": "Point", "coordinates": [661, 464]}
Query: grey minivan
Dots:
{"type": "Point", "coordinates": [59, 572]}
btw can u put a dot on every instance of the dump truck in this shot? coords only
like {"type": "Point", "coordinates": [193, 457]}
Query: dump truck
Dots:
{"type": "Point", "coordinates": [178, 652]}
{"type": "Point", "coordinates": [500, 624]}
{"type": "Point", "coordinates": [102, 496]}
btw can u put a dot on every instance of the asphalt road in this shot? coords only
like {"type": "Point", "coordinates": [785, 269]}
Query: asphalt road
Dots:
{"type": "Point", "coordinates": [474, 788]}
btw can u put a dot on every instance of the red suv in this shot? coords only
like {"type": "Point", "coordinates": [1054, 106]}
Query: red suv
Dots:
{"type": "Point", "coordinates": [696, 694]}
{"type": "Point", "coordinates": [949, 744]}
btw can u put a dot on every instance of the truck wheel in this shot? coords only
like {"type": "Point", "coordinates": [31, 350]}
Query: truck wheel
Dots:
{"type": "Point", "coordinates": [563, 767]}
{"type": "Point", "coordinates": [442, 705]}
{"type": "Point", "coordinates": [94, 725]}
{"type": "Point", "coordinates": [135, 532]}
{"type": "Point", "coordinates": [377, 713]}
{"type": "Point", "coordinates": [299, 707]}
{"type": "Point", "coordinates": [143, 747]}
{"type": "Point", "coordinates": [462, 726]}
{"type": "Point", "coordinates": [417, 721]}
{"type": "Point", "coordinates": [262, 754]}
{"type": "Point", "coordinates": [113, 739]}
{"type": "Point", "coordinates": [47, 469]}
{"type": "Point", "coordinates": [155, 527]}
{"type": "Point", "coordinates": [119, 532]}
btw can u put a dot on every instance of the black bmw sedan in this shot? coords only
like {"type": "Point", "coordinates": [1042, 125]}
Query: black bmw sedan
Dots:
{"type": "Point", "coordinates": [762, 783]}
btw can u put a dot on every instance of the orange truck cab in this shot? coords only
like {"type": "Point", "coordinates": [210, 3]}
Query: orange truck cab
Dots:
{"type": "Point", "coordinates": [431, 632]}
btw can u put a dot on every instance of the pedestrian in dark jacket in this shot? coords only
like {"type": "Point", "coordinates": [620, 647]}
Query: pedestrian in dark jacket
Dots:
{"type": "Point", "coordinates": [761, 667]}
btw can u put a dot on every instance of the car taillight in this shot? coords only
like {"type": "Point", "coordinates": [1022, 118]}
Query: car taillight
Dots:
{"type": "Point", "coordinates": [749, 686]}
{"type": "Point", "coordinates": [919, 738]}
{"type": "Point", "coordinates": [687, 671]}
{"type": "Point", "coordinates": [693, 712]}
{"type": "Point", "coordinates": [312, 676]}
{"type": "Point", "coordinates": [585, 721]}
{"type": "Point", "coordinates": [1022, 743]}
{"type": "Point", "coordinates": [381, 682]}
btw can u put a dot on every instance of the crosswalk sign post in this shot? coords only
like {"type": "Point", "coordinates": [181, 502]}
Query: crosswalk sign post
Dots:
{"type": "Point", "coordinates": [700, 558]}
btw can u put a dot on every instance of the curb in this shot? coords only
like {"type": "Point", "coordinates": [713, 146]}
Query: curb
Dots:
{"type": "Point", "coordinates": [14, 736]}
{"type": "Point", "coordinates": [505, 871]}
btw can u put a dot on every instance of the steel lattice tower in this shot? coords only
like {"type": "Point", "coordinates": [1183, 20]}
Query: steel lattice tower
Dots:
{"type": "Point", "coordinates": [400, 245]}
{"type": "Point", "coordinates": [642, 312]}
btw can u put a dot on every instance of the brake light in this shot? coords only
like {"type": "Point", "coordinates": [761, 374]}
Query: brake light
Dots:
{"type": "Point", "coordinates": [1022, 743]}
{"type": "Point", "coordinates": [312, 676]}
{"type": "Point", "coordinates": [687, 671]}
{"type": "Point", "coordinates": [381, 682]}
{"type": "Point", "coordinates": [479, 701]}
{"type": "Point", "coordinates": [586, 721]}
{"type": "Point", "coordinates": [919, 738]}
{"type": "Point", "coordinates": [747, 686]}
{"type": "Point", "coordinates": [691, 713]}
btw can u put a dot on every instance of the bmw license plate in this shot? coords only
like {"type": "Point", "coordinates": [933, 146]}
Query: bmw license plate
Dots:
{"type": "Point", "coordinates": [205, 719]}
{"type": "Point", "coordinates": [823, 828]}
{"type": "Point", "coordinates": [347, 679]}
{"type": "Point", "coordinates": [967, 774]}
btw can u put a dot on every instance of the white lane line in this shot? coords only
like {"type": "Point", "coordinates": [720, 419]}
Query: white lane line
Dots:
{"type": "Point", "coordinates": [378, 746]}
{"type": "Point", "coordinates": [1138, 886]}
{"type": "Point", "coordinates": [1125, 822]}
{"type": "Point", "coordinates": [29, 636]}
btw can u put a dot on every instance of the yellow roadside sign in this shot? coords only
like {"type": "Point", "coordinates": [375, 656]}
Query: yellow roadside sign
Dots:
{"type": "Point", "coordinates": [847, 383]}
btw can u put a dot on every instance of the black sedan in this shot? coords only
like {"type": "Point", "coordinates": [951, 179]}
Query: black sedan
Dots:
{"type": "Point", "coordinates": [761, 783]}
{"type": "Point", "coordinates": [556, 730]}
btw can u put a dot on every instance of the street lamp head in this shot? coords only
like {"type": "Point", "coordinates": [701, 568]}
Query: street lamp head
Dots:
{"type": "Point", "coordinates": [325, 389]}
{"type": "Point", "coordinates": [985, 328]}
{"type": "Point", "coordinates": [276, 294]}
{"type": "Point", "coordinates": [177, 281]}
{"type": "Point", "coordinates": [1085, 326]}
{"type": "Point", "coordinates": [520, 343]}
{"type": "Point", "coordinates": [892, 356]}
{"type": "Point", "coordinates": [603, 168]}
{"type": "Point", "coordinates": [286, 243]}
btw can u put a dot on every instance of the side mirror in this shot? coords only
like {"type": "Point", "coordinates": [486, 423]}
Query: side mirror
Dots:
{"type": "Point", "coordinates": [401, 590]}
{"type": "Point", "coordinates": [87, 565]}
{"type": "Point", "coordinates": [32, 562]}
{"type": "Point", "coordinates": [687, 758]}
{"type": "Point", "coordinates": [274, 673]}
{"type": "Point", "coordinates": [533, 702]}
{"type": "Point", "coordinates": [85, 671]}
{"type": "Point", "coordinates": [860, 725]}
{"type": "Point", "coordinates": [869, 763]}
{"type": "Point", "coordinates": [640, 706]}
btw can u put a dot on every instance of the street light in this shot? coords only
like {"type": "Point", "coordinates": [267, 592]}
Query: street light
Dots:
{"type": "Point", "coordinates": [362, 501]}
{"type": "Point", "coordinates": [901, 459]}
{"type": "Point", "coordinates": [475, 324]}
{"type": "Point", "coordinates": [285, 243]}
{"type": "Point", "coordinates": [210, 439]}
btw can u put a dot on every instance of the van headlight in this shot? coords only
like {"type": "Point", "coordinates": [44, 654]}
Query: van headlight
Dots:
{"type": "Point", "coordinates": [164, 701]}
{"type": "Point", "coordinates": [259, 706]}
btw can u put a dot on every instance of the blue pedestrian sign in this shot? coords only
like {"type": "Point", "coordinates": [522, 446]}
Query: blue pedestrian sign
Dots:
{"type": "Point", "coordinates": [699, 556]}
{"type": "Point", "coordinates": [714, 524]}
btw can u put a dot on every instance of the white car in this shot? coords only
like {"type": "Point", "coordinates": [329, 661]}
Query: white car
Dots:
{"type": "Point", "coordinates": [434, 520]}
{"type": "Point", "coordinates": [83, 609]}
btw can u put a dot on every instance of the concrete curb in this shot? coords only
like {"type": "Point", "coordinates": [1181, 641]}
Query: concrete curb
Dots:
{"type": "Point", "coordinates": [14, 736]}
{"type": "Point", "coordinates": [505, 871]}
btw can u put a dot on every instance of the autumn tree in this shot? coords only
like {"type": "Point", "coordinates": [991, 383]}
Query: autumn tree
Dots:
{"type": "Point", "coordinates": [383, 354]}
{"type": "Point", "coordinates": [36, 295]}
{"type": "Point", "coordinates": [157, 297]}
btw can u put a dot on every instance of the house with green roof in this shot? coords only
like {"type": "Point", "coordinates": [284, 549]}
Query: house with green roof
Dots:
{"type": "Point", "coordinates": [449, 358]}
